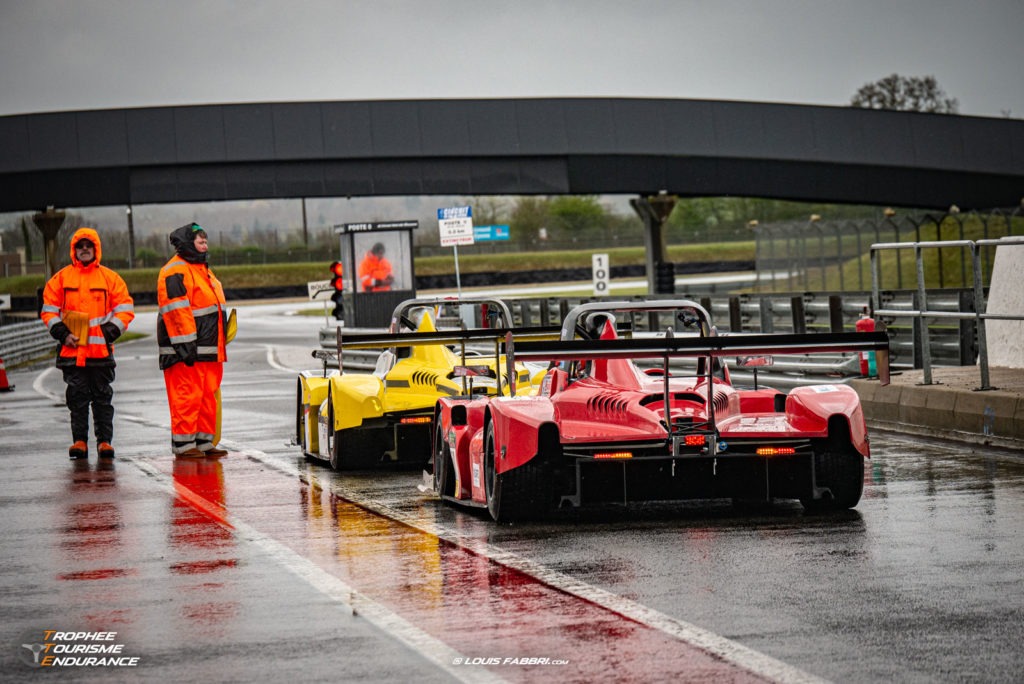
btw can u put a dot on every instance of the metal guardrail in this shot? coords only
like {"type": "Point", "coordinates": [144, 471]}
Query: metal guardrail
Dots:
{"type": "Point", "coordinates": [978, 315]}
{"type": "Point", "coordinates": [24, 341]}
{"type": "Point", "coordinates": [800, 313]}
{"type": "Point", "coordinates": [780, 312]}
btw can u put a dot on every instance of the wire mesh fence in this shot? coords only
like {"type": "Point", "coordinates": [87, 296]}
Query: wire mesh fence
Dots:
{"type": "Point", "coordinates": [818, 255]}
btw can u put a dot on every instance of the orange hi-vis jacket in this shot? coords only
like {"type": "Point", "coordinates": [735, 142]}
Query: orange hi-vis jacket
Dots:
{"type": "Point", "coordinates": [191, 301]}
{"type": "Point", "coordinates": [91, 292]}
{"type": "Point", "coordinates": [374, 268]}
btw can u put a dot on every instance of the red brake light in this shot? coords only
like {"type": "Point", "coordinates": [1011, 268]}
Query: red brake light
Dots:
{"type": "Point", "coordinates": [695, 440]}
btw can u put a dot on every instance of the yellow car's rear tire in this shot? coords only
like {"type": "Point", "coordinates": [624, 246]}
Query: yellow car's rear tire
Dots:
{"type": "Point", "coordinates": [300, 422]}
{"type": "Point", "coordinates": [332, 434]}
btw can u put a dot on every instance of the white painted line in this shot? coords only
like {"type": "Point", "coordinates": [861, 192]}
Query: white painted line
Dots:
{"type": "Point", "coordinates": [39, 386]}
{"type": "Point", "coordinates": [273, 362]}
{"type": "Point", "coordinates": [351, 600]}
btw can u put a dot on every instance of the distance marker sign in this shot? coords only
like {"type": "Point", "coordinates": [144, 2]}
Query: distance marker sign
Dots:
{"type": "Point", "coordinates": [602, 274]}
{"type": "Point", "coordinates": [455, 226]}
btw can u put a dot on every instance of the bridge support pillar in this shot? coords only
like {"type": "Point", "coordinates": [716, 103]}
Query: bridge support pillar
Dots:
{"type": "Point", "coordinates": [654, 211]}
{"type": "Point", "coordinates": [49, 222]}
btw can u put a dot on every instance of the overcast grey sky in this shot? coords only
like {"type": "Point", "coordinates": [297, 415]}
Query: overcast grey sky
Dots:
{"type": "Point", "coordinates": [88, 54]}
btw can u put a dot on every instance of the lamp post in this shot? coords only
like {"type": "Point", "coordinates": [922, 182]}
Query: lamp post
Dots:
{"type": "Point", "coordinates": [814, 223]}
{"type": "Point", "coordinates": [889, 212]}
{"type": "Point", "coordinates": [131, 237]}
{"type": "Point", "coordinates": [752, 225]}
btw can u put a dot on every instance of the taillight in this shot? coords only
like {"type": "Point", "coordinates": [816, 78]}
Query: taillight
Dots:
{"type": "Point", "coordinates": [775, 451]}
{"type": "Point", "coordinates": [695, 440]}
{"type": "Point", "coordinates": [614, 454]}
{"type": "Point", "coordinates": [415, 420]}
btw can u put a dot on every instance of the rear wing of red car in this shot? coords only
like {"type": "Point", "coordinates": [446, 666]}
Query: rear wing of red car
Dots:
{"type": "Point", "coordinates": [587, 320]}
{"type": "Point", "coordinates": [707, 347]}
{"type": "Point", "coordinates": [715, 346]}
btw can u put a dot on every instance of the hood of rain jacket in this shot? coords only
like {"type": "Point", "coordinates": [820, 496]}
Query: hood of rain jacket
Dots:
{"type": "Point", "coordinates": [183, 240]}
{"type": "Point", "coordinates": [93, 237]}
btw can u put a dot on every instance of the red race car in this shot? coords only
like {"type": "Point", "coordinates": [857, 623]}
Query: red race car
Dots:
{"type": "Point", "coordinates": [605, 429]}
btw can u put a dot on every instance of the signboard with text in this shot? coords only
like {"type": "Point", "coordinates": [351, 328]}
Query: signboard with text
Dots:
{"type": "Point", "coordinates": [455, 226]}
{"type": "Point", "coordinates": [490, 233]}
{"type": "Point", "coordinates": [317, 288]}
{"type": "Point", "coordinates": [366, 227]}
{"type": "Point", "coordinates": [602, 274]}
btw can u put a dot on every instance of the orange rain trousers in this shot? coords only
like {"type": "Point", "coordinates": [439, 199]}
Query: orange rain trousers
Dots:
{"type": "Point", "coordinates": [192, 397]}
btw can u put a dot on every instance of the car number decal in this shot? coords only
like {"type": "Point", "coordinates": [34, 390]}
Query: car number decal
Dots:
{"type": "Point", "coordinates": [760, 424]}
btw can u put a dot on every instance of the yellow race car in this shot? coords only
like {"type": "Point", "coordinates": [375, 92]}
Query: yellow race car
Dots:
{"type": "Point", "coordinates": [364, 419]}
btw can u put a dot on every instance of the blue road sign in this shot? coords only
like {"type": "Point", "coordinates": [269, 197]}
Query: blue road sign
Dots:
{"type": "Point", "coordinates": [490, 233]}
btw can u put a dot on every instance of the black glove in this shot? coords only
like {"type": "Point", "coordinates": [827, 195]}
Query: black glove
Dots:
{"type": "Point", "coordinates": [60, 332]}
{"type": "Point", "coordinates": [110, 332]}
{"type": "Point", "coordinates": [187, 352]}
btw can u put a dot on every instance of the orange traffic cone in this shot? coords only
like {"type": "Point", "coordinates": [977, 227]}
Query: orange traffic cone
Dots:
{"type": "Point", "coordinates": [4, 385]}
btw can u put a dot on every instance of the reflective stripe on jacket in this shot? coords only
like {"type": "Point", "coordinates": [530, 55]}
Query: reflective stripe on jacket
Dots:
{"type": "Point", "coordinates": [94, 291]}
{"type": "Point", "coordinates": [191, 301]}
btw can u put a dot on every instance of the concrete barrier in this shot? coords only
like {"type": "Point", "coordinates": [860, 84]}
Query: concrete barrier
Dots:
{"type": "Point", "coordinates": [951, 407]}
{"type": "Point", "coordinates": [1006, 296]}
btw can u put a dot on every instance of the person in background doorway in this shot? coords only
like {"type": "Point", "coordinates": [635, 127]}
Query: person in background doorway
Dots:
{"type": "Point", "coordinates": [191, 334]}
{"type": "Point", "coordinates": [375, 271]}
{"type": "Point", "coordinates": [86, 306]}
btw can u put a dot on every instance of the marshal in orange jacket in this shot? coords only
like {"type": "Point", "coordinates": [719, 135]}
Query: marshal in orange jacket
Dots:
{"type": "Point", "coordinates": [192, 321]}
{"type": "Point", "coordinates": [375, 271]}
{"type": "Point", "coordinates": [93, 293]}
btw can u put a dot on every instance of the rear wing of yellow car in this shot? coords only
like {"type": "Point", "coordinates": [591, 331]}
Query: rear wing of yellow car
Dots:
{"type": "Point", "coordinates": [460, 338]}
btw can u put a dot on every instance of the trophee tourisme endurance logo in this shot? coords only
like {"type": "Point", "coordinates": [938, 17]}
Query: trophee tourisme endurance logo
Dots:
{"type": "Point", "coordinates": [58, 648]}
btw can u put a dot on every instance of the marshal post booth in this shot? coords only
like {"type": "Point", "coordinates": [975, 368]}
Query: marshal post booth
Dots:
{"type": "Point", "coordinates": [377, 270]}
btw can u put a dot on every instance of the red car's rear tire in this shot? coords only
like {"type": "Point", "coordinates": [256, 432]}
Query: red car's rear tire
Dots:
{"type": "Point", "coordinates": [492, 481]}
{"type": "Point", "coordinates": [523, 493]}
{"type": "Point", "coordinates": [839, 467]}
{"type": "Point", "coordinates": [444, 471]}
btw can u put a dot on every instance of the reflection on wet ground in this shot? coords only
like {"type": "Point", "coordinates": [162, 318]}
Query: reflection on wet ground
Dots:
{"type": "Point", "coordinates": [200, 533]}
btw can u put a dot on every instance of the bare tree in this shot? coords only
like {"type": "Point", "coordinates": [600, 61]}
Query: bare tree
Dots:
{"type": "Point", "coordinates": [906, 94]}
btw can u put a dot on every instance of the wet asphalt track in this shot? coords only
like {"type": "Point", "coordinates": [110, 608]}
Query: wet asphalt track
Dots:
{"type": "Point", "coordinates": [261, 567]}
